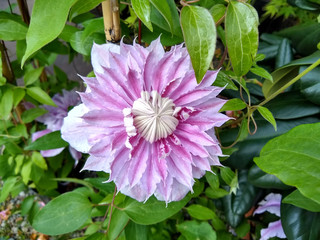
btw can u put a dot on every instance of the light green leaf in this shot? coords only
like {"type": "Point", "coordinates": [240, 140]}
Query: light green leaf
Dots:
{"type": "Point", "coordinates": [267, 115]}
{"type": "Point", "coordinates": [200, 212]}
{"type": "Point", "coordinates": [135, 231]}
{"type": "Point", "coordinates": [40, 95]}
{"type": "Point", "coordinates": [164, 9]}
{"type": "Point", "coordinates": [37, 159]}
{"type": "Point", "coordinates": [217, 11]}
{"type": "Point", "coordinates": [64, 214]}
{"type": "Point", "coordinates": [18, 95]}
{"type": "Point", "coordinates": [297, 199]}
{"type": "Point", "coordinates": [294, 158]}
{"type": "Point", "coordinates": [153, 211]}
{"type": "Point", "coordinates": [47, 22]}
{"type": "Point", "coordinates": [67, 32]}
{"type": "Point", "coordinates": [192, 230]}
{"type": "Point", "coordinates": [51, 140]}
{"type": "Point", "coordinates": [83, 6]}
{"type": "Point", "coordinates": [118, 221]}
{"type": "Point", "coordinates": [234, 104]}
{"type": "Point", "coordinates": [32, 76]}
{"type": "Point", "coordinates": [6, 104]}
{"type": "Point", "coordinates": [199, 31]}
{"type": "Point", "coordinates": [261, 72]}
{"type": "Point", "coordinates": [11, 30]}
{"type": "Point", "coordinates": [241, 26]}
{"type": "Point", "coordinates": [7, 187]}
{"type": "Point", "coordinates": [142, 9]}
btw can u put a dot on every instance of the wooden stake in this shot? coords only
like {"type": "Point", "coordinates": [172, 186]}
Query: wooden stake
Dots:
{"type": "Point", "coordinates": [111, 19]}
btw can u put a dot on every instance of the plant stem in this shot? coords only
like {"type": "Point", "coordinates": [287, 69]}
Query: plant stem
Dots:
{"type": "Point", "coordinates": [280, 90]}
{"type": "Point", "coordinates": [24, 11]}
{"type": "Point", "coordinates": [111, 19]}
{"type": "Point", "coordinates": [6, 65]}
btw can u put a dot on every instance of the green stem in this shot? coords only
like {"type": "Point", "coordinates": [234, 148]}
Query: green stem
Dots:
{"type": "Point", "coordinates": [75, 180]}
{"type": "Point", "coordinates": [280, 90]}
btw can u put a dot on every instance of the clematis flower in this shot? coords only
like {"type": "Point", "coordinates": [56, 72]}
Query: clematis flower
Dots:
{"type": "Point", "coordinates": [271, 203]}
{"type": "Point", "coordinates": [146, 121]}
{"type": "Point", "coordinates": [54, 120]}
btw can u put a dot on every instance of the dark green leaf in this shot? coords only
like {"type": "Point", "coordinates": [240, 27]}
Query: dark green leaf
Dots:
{"type": "Point", "coordinates": [297, 199]}
{"type": "Point", "coordinates": [164, 9]}
{"type": "Point", "coordinates": [295, 159]}
{"type": "Point", "coordinates": [118, 221]}
{"type": "Point", "coordinates": [284, 55]}
{"type": "Point", "coordinates": [267, 115]}
{"type": "Point", "coordinates": [310, 84]}
{"type": "Point", "coordinates": [142, 9]}
{"type": "Point", "coordinates": [234, 104]}
{"type": "Point", "coordinates": [223, 80]}
{"type": "Point", "coordinates": [63, 214]}
{"type": "Point", "coordinates": [199, 33]}
{"type": "Point", "coordinates": [259, 178]}
{"type": "Point", "coordinates": [100, 184]}
{"type": "Point", "coordinates": [40, 95]}
{"type": "Point", "coordinates": [193, 230]}
{"type": "Point", "coordinates": [241, 26]}
{"type": "Point", "coordinates": [299, 224]}
{"type": "Point", "coordinates": [51, 140]}
{"type": "Point", "coordinates": [47, 22]}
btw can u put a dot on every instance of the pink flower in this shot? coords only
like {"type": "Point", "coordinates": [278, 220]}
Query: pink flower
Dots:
{"type": "Point", "coordinates": [271, 204]}
{"type": "Point", "coordinates": [146, 121]}
{"type": "Point", "coordinates": [54, 120]}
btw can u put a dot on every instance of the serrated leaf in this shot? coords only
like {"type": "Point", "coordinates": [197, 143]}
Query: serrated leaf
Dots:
{"type": "Point", "coordinates": [294, 158]}
{"type": "Point", "coordinates": [142, 9]}
{"type": "Point", "coordinates": [297, 199]}
{"type": "Point", "coordinates": [267, 115]}
{"type": "Point", "coordinates": [199, 33]}
{"type": "Point", "coordinates": [241, 26]}
{"type": "Point", "coordinates": [234, 104]}
{"type": "Point", "coordinates": [40, 95]}
{"type": "Point", "coordinates": [64, 214]}
{"type": "Point", "coordinates": [47, 22]}
{"type": "Point", "coordinates": [51, 140]}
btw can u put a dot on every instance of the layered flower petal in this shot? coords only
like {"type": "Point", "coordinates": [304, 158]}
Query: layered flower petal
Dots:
{"type": "Point", "coordinates": [144, 120]}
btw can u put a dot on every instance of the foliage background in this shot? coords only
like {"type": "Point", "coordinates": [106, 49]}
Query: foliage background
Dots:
{"type": "Point", "coordinates": [268, 53]}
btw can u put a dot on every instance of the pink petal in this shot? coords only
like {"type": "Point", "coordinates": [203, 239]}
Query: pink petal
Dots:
{"type": "Point", "coordinates": [99, 55]}
{"type": "Point", "coordinates": [274, 230]}
{"type": "Point", "coordinates": [187, 84]}
{"type": "Point", "coordinates": [104, 118]}
{"type": "Point", "coordinates": [75, 154]}
{"type": "Point", "coordinates": [51, 152]}
{"type": "Point", "coordinates": [192, 97]}
{"type": "Point", "coordinates": [208, 79]}
{"type": "Point", "coordinates": [194, 134]}
{"type": "Point", "coordinates": [97, 164]}
{"type": "Point", "coordinates": [271, 203]}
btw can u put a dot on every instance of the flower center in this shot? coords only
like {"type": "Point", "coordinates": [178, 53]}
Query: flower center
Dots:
{"type": "Point", "coordinates": [154, 116]}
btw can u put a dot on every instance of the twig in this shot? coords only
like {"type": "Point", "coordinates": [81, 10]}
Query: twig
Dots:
{"type": "Point", "coordinates": [223, 57]}
{"type": "Point", "coordinates": [111, 206]}
{"type": "Point", "coordinates": [139, 33]}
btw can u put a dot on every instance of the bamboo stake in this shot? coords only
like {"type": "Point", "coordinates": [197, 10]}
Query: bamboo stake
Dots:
{"type": "Point", "coordinates": [111, 19]}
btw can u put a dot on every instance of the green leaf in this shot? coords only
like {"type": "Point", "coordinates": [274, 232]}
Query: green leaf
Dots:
{"type": "Point", "coordinates": [297, 199]}
{"type": "Point", "coordinates": [118, 221]}
{"type": "Point", "coordinates": [261, 72]}
{"type": "Point", "coordinates": [241, 26]}
{"type": "Point", "coordinates": [234, 104]}
{"type": "Point", "coordinates": [284, 55]}
{"type": "Point", "coordinates": [217, 11]}
{"type": "Point", "coordinates": [37, 159]}
{"type": "Point", "coordinates": [40, 95]}
{"type": "Point", "coordinates": [267, 115]}
{"type": "Point", "coordinates": [200, 212]}
{"type": "Point", "coordinates": [289, 105]}
{"type": "Point", "coordinates": [47, 22]}
{"type": "Point", "coordinates": [260, 179]}
{"type": "Point", "coordinates": [310, 85]}
{"type": "Point", "coordinates": [27, 205]}
{"type": "Point", "coordinates": [299, 224]}
{"type": "Point", "coordinates": [64, 214]}
{"type": "Point", "coordinates": [295, 159]}
{"type": "Point", "coordinates": [18, 95]}
{"type": "Point", "coordinates": [51, 140]}
{"type": "Point", "coordinates": [153, 211]}
{"type": "Point", "coordinates": [135, 231]}
{"type": "Point", "coordinates": [11, 30]}
{"type": "Point", "coordinates": [32, 76]}
{"type": "Point", "coordinates": [216, 192]}
{"type": "Point", "coordinates": [164, 9]}
{"type": "Point", "coordinates": [67, 32]}
{"type": "Point", "coordinates": [7, 187]}
{"type": "Point", "coordinates": [193, 230]}
{"type": "Point", "coordinates": [6, 104]}
{"type": "Point", "coordinates": [142, 9]}
{"type": "Point", "coordinates": [199, 33]}
{"type": "Point", "coordinates": [223, 80]}
{"type": "Point", "coordinates": [31, 114]}
{"type": "Point", "coordinates": [83, 6]}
